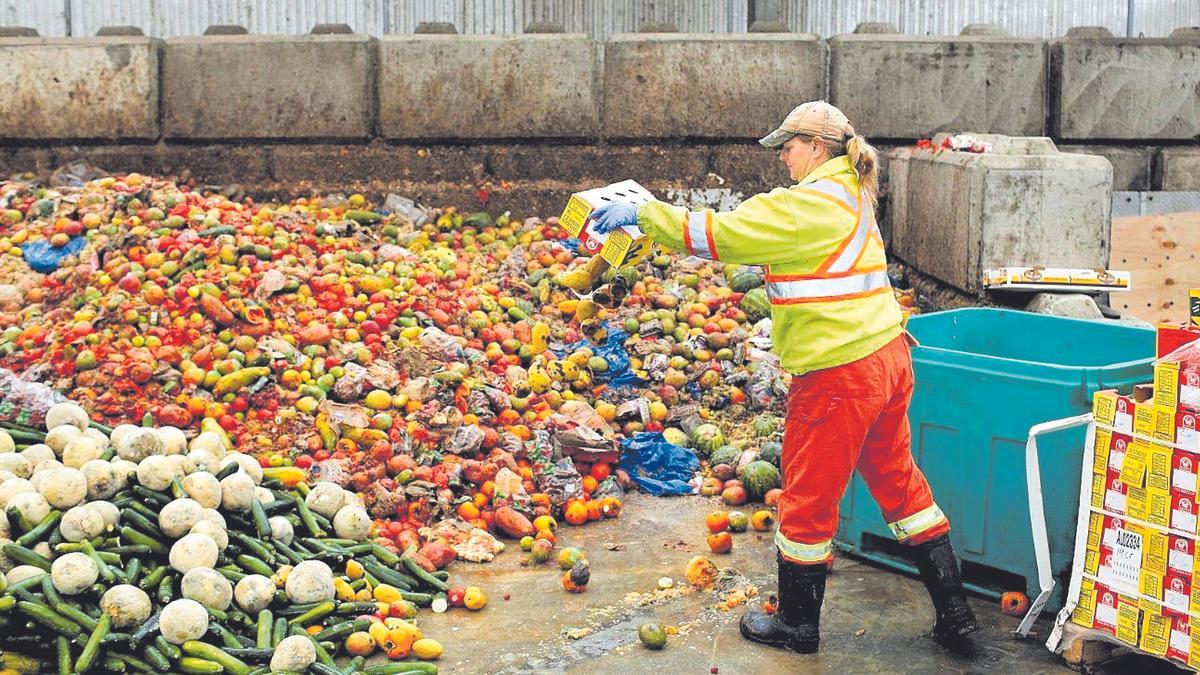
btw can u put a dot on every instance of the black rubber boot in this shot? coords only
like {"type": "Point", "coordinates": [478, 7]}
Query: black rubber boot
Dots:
{"type": "Point", "coordinates": [939, 570]}
{"type": "Point", "coordinates": [796, 621]}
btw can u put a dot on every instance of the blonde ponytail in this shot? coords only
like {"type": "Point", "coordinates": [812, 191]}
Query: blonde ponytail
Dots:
{"type": "Point", "coordinates": [865, 160]}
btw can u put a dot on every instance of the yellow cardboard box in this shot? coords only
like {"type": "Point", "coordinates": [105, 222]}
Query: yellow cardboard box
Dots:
{"type": "Point", "coordinates": [623, 247]}
{"type": "Point", "coordinates": [1129, 619]}
{"type": "Point", "coordinates": [1084, 613]}
{"type": "Point", "coordinates": [1156, 629]}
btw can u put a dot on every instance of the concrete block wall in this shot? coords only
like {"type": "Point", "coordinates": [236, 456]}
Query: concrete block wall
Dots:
{"type": "Point", "coordinates": [340, 109]}
{"type": "Point", "coordinates": [61, 88]}
{"type": "Point", "coordinates": [1125, 88]}
{"type": "Point", "coordinates": [268, 86]}
{"type": "Point", "coordinates": [900, 86]}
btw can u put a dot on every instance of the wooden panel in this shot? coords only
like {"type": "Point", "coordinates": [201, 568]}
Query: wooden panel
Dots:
{"type": "Point", "coordinates": [1163, 253]}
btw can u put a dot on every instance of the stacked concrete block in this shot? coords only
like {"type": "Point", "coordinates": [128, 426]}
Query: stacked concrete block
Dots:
{"type": "Point", "coordinates": [706, 85]}
{"type": "Point", "coordinates": [1125, 88]}
{"type": "Point", "coordinates": [488, 87]}
{"type": "Point", "coordinates": [1181, 169]}
{"type": "Point", "coordinates": [903, 86]}
{"type": "Point", "coordinates": [1133, 167]}
{"type": "Point", "coordinates": [956, 214]}
{"type": "Point", "coordinates": [79, 88]}
{"type": "Point", "coordinates": [268, 86]}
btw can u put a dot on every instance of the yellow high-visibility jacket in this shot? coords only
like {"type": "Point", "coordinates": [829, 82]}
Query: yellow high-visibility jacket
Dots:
{"type": "Point", "coordinates": [826, 269]}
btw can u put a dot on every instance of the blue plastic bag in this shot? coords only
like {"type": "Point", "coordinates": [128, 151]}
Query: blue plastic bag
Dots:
{"type": "Point", "coordinates": [657, 466]}
{"type": "Point", "coordinates": [44, 258]}
{"type": "Point", "coordinates": [619, 374]}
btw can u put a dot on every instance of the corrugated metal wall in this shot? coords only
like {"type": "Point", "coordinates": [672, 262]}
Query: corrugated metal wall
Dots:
{"type": "Point", "coordinates": [599, 18]}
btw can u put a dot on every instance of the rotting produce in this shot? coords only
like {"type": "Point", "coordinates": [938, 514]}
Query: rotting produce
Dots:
{"type": "Point", "coordinates": [418, 380]}
{"type": "Point", "coordinates": [149, 580]}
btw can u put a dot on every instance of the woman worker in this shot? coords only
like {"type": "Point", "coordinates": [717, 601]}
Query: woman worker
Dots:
{"type": "Point", "coordinates": [837, 329]}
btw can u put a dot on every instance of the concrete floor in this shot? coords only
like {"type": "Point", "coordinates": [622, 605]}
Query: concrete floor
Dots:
{"type": "Point", "coordinates": [873, 620]}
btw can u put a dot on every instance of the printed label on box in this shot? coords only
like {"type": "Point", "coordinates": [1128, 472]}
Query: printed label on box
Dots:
{"type": "Point", "coordinates": [1129, 619]}
{"type": "Point", "coordinates": [1143, 418]}
{"type": "Point", "coordinates": [1137, 503]}
{"type": "Point", "coordinates": [1099, 481]}
{"type": "Point", "coordinates": [1183, 512]}
{"type": "Point", "coordinates": [1123, 420]}
{"type": "Point", "coordinates": [1133, 471]}
{"type": "Point", "coordinates": [1158, 468]}
{"type": "Point", "coordinates": [1181, 555]}
{"type": "Point", "coordinates": [1116, 455]}
{"type": "Point", "coordinates": [1095, 528]}
{"type": "Point", "coordinates": [1189, 388]}
{"type": "Point", "coordinates": [1101, 449]}
{"type": "Point", "coordinates": [1183, 471]}
{"type": "Point", "coordinates": [1152, 584]}
{"type": "Point", "coordinates": [1177, 591]}
{"type": "Point", "coordinates": [1115, 495]}
{"type": "Point", "coordinates": [1104, 407]}
{"type": "Point", "coordinates": [1106, 608]}
{"type": "Point", "coordinates": [1166, 385]}
{"type": "Point", "coordinates": [1187, 430]}
{"type": "Point", "coordinates": [1156, 630]}
{"type": "Point", "coordinates": [1180, 642]}
{"type": "Point", "coordinates": [1158, 507]}
{"type": "Point", "coordinates": [1154, 550]}
{"type": "Point", "coordinates": [1084, 613]}
{"type": "Point", "coordinates": [1125, 565]}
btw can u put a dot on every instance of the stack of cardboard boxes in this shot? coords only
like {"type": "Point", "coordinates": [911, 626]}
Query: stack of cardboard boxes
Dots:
{"type": "Point", "coordinates": [1140, 570]}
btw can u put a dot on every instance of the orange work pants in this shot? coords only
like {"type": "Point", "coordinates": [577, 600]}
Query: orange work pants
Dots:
{"type": "Point", "coordinates": [853, 416]}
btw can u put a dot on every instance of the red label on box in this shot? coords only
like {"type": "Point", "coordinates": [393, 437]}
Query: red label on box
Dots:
{"type": "Point", "coordinates": [1115, 493]}
{"type": "Point", "coordinates": [1106, 609]}
{"type": "Point", "coordinates": [1183, 512]}
{"type": "Point", "coordinates": [1187, 431]}
{"type": "Point", "coordinates": [1179, 643]}
{"type": "Point", "coordinates": [1124, 419]}
{"type": "Point", "coordinates": [1183, 471]}
{"type": "Point", "coordinates": [1181, 553]}
{"type": "Point", "coordinates": [1177, 591]}
{"type": "Point", "coordinates": [1116, 451]}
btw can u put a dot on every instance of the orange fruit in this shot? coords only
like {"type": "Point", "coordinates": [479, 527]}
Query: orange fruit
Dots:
{"type": "Point", "coordinates": [610, 507]}
{"type": "Point", "coordinates": [717, 521]}
{"type": "Point", "coordinates": [576, 513]}
{"type": "Point", "coordinates": [545, 523]}
{"type": "Point", "coordinates": [593, 509]}
{"type": "Point", "coordinates": [590, 484]}
{"type": "Point", "coordinates": [468, 511]}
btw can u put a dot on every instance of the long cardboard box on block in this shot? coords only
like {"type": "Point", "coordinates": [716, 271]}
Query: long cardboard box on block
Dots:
{"type": "Point", "coordinates": [621, 248]}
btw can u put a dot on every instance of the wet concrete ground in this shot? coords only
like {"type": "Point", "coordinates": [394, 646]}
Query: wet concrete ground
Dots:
{"type": "Point", "coordinates": [873, 620]}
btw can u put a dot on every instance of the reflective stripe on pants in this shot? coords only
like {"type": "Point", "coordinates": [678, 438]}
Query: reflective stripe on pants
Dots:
{"type": "Point", "coordinates": [851, 417]}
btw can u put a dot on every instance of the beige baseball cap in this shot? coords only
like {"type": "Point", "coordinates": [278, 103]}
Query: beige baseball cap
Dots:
{"type": "Point", "coordinates": [815, 118]}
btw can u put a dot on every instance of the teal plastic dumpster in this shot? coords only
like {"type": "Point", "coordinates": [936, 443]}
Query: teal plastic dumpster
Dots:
{"type": "Point", "coordinates": [983, 378]}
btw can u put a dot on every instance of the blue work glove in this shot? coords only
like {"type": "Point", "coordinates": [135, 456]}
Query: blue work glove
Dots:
{"type": "Point", "coordinates": [612, 216]}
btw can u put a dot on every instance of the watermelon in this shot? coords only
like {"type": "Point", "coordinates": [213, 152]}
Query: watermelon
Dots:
{"type": "Point", "coordinates": [744, 281]}
{"type": "Point", "coordinates": [756, 304]}
{"type": "Point", "coordinates": [675, 436]}
{"type": "Point", "coordinates": [706, 438]}
{"type": "Point", "coordinates": [758, 477]}
{"type": "Point", "coordinates": [726, 454]}
{"type": "Point", "coordinates": [771, 452]}
{"type": "Point", "coordinates": [765, 425]}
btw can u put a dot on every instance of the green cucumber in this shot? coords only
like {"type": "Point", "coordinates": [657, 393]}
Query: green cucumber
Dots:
{"type": "Point", "coordinates": [40, 530]}
{"type": "Point", "coordinates": [49, 618]}
{"type": "Point", "coordinates": [92, 648]}
{"type": "Point", "coordinates": [195, 648]}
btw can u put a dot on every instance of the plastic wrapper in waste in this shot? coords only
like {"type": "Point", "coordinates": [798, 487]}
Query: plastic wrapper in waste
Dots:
{"type": "Point", "coordinates": [467, 440]}
{"type": "Point", "coordinates": [1177, 379]}
{"type": "Point", "coordinates": [657, 466]}
{"type": "Point", "coordinates": [562, 483]}
{"type": "Point", "coordinates": [438, 345]}
{"type": "Point", "coordinates": [24, 402]}
{"type": "Point", "coordinates": [44, 258]}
